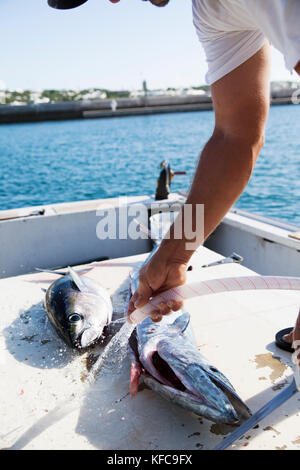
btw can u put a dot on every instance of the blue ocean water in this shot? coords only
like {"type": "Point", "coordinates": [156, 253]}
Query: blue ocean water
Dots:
{"type": "Point", "coordinates": [50, 162]}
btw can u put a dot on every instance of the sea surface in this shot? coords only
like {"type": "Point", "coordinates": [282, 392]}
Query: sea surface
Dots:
{"type": "Point", "coordinates": [50, 162]}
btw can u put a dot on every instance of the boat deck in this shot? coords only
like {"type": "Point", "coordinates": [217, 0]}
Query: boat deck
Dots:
{"type": "Point", "coordinates": [46, 402]}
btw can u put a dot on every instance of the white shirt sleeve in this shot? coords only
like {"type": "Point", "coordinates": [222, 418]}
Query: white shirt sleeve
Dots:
{"type": "Point", "coordinates": [279, 20]}
{"type": "Point", "coordinates": [232, 31]}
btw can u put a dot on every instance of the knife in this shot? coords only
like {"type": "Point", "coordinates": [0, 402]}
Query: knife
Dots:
{"type": "Point", "coordinates": [272, 405]}
{"type": "Point", "coordinates": [234, 258]}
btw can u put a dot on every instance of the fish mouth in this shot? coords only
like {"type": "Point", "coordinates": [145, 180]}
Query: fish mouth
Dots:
{"type": "Point", "coordinates": [86, 338]}
{"type": "Point", "coordinates": [176, 380]}
{"type": "Point", "coordinates": [167, 375]}
{"type": "Point", "coordinates": [179, 387]}
{"type": "Point", "coordinates": [151, 364]}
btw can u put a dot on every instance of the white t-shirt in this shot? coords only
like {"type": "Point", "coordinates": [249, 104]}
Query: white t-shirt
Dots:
{"type": "Point", "coordinates": [232, 31]}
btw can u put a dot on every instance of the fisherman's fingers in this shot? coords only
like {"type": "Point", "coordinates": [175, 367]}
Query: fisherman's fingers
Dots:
{"type": "Point", "coordinates": [156, 316]}
{"type": "Point", "coordinates": [138, 298]}
{"type": "Point", "coordinates": [175, 305]}
{"type": "Point", "coordinates": [165, 309]}
{"type": "Point", "coordinates": [143, 293]}
{"type": "Point", "coordinates": [297, 329]}
{"type": "Point", "coordinates": [131, 306]}
{"type": "Point", "coordinates": [289, 338]}
{"type": "Point", "coordinates": [296, 336]}
{"type": "Point", "coordinates": [175, 277]}
{"type": "Point", "coordinates": [294, 339]}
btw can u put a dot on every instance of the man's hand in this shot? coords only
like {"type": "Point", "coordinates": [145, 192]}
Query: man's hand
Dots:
{"type": "Point", "coordinates": [158, 275]}
{"type": "Point", "coordinates": [294, 336]}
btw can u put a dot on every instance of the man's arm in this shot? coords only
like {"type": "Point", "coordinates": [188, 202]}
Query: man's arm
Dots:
{"type": "Point", "coordinates": [295, 335]}
{"type": "Point", "coordinates": [241, 103]}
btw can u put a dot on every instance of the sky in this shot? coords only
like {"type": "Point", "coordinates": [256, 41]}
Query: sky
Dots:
{"type": "Point", "coordinates": [103, 45]}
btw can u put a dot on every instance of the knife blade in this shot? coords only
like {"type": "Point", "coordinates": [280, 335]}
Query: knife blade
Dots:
{"type": "Point", "coordinates": [272, 405]}
{"type": "Point", "coordinates": [234, 258]}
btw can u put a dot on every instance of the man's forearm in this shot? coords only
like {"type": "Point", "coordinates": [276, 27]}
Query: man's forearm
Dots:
{"type": "Point", "coordinates": [222, 174]}
{"type": "Point", "coordinates": [241, 104]}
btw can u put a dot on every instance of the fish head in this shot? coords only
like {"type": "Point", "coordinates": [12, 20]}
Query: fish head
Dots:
{"type": "Point", "coordinates": [86, 320]}
{"type": "Point", "coordinates": [176, 370]}
{"type": "Point", "coordinates": [82, 334]}
{"type": "Point", "coordinates": [80, 317]}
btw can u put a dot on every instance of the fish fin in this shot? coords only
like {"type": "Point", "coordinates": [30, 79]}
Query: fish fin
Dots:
{"type": "Point", "coordinates": [133, 346]}
{"type": "Point", "coordinates": [60, 273]}
{"type": "Point", "coordinates": [135, 373]}
{"type": "Point", "coordinates": [181, 323]}
{"type": "Point", "coordinates": [136, 366]}
{"type": "Point", "coordinates": [76, 279]}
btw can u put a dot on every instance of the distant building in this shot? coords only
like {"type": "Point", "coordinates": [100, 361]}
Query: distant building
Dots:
{"type": "Point", "coordinates": [169, 92]}
{"type": "Point", "coordinates": [37, 98]}
{"type": "Point", "coordinates": [275, 86]}
{"type": "Point", "coordinates": [93, 95]}
{"type": "Point", "coordinates": [18, 103]}
{"type": "Point", "coordinates": [195, 92]}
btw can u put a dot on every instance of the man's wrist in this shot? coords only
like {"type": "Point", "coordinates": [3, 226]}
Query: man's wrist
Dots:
{"type": "Point", "coordinates": [174, 250]}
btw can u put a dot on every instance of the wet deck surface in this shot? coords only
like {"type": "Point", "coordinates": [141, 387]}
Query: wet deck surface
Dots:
{"type": "Point", "coordinates": [47, 404]}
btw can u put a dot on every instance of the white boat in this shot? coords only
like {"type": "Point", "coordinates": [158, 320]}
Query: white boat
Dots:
{"type": "Point", "coordinates": [46, 404]}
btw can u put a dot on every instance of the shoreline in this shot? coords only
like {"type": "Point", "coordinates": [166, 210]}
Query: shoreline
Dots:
{"type": "Point", "coordinates": [121, 107]}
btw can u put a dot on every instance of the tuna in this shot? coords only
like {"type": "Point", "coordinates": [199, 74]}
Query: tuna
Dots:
{"type": "Point", "coordinates": [165, 356]}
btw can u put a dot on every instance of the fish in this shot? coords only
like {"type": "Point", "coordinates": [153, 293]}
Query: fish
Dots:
{"type": "Point", "coordinates": [165, 357]}
{"type": "Point", "coordinates": [79, 308]}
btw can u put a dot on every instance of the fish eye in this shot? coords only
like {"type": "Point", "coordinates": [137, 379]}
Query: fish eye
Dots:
{"type": "Point", "coordinates": [74, 318]}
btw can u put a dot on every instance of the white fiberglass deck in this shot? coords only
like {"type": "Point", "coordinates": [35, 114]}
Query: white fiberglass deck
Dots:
{"type": "Point", "coordinates": [46, 404]}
